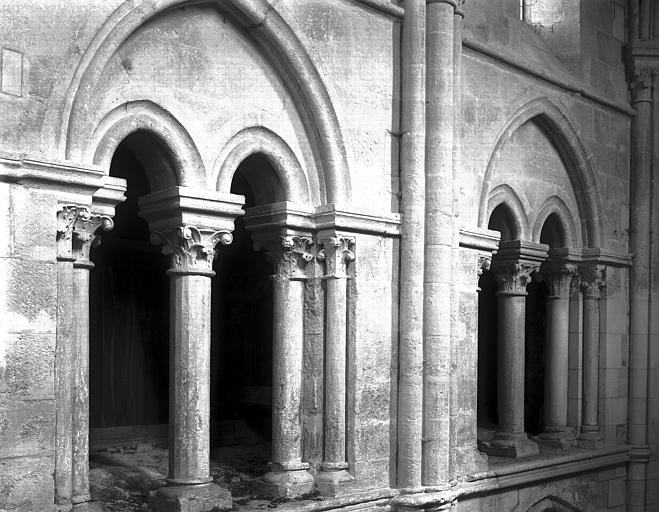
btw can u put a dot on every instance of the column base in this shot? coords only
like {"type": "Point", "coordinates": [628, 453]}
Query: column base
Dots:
{"type": "Point", "coordinates": [590, 438]}
{"type": "Point", "coordinates": [87, 506]}
{"type": "Point", "coordinates": [190, 498]}
{"type": "Point", "coordinates": [332, 477]}
{"type": "Point", "coordinates": [285, 481]}
{"type": "Point", "coordinates": [513, 445]}
{"type": "Point", "coordinates": [64, 505]}
{"type": "Point", "coordinates": [562, 438]}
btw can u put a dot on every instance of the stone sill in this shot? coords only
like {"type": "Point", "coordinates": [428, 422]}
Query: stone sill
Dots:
{"type": "Point", "coordinates": [517, 473]}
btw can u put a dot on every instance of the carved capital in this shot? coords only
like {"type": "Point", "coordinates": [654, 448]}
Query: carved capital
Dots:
{"type": "Point", "coordinates": [76, 233]}
{"type": "Point", "coordinates": [289, 255]}
{"type": "Point", "coordinates": [512, 278]}
{"type": "Point", "coordinates": [559, 279]}
{"type": "Point", "coordinates": [593, 281]}
{"type": "Point", "coordinates": [336, 253]}
{"type": "Point", "coordinates": [65, 220]}
{"type": "Point", "coordinates": [191, 249]}
{"type": "Point", "coordinates": [641, 84]}
{"type": "Point", "coordinates": [484, 263]}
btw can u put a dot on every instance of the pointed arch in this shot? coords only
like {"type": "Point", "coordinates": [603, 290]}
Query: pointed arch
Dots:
{"type": "Point", "coordinates": [505, 195]}
{"type": "Point", "coordinates": [552, 504]}
{"type": "Point", "coordinates": [260, 140]}
{"type": "Point", "coordinates": [559, 130]}
{"type": "Point", "coordinates": [276, 40]}
{"type": "Point", "coordinates": [556, 206]}
{"type": "Point", "coordinates": [146, 116]}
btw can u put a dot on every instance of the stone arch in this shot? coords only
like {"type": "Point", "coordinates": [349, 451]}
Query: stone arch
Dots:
{"type": "Point", "coordinates": [276, 40]}
{"type": "Point", "coordinates": [505, 195]}
{"type": "Point", "coordinates": [260, 140]}
{"type": "Point", "coordinates": [563, 135]}
{"type": "Point", "coordinates": [552, 504]}
{"type": "Point", "coordinates": [146, 116]}
{"type": "Point", "coordinates": [555, 205]}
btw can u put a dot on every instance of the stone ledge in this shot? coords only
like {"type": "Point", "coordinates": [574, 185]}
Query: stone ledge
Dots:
{"type": "Point", "coordinates": [517, 474]}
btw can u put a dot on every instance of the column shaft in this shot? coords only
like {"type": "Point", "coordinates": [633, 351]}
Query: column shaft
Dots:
{"type": "Point", "coordinates": [510, 335]}
{"type": "Point", "coordinates": [287, 372]}
{"type": "Point", "coordinates": [335, 371]}
{"type": "Point", "coordinates": [63, 379]}
{"type": "Point", "coordinates": [412, 164]}
{"type": "Point", "coordinates": [81, 386]}
{"type": "Point", "coordinates": [590, 363]}
{"type": "Point", "coordinates": [439, 241]}
{"type": "Point", "coordinates": [556, 363]}
{"type": "Point", "coordinates": [189, 406]}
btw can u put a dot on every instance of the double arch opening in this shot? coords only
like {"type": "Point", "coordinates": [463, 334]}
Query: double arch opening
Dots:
{"type": "Point", "coordinates": [131, 299]}
{"type": "Point", "coordinates": [524, 397]}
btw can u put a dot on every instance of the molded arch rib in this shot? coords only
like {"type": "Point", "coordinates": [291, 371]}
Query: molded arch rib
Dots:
{"type": "Point", "coordinates": [145, 116]}
{"type": "Point", "coordinates": [562, 134]}
{"type": "Point", "coordinates": [276, 40]}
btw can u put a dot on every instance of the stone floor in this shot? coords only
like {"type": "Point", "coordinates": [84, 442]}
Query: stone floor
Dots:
{"type": "Point", "coordinates": [121, 477]}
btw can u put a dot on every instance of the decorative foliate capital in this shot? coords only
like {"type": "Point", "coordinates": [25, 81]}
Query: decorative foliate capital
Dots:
{"type": "Point", "coordinates": [336, 253]}
{"type": "Point", "coordinates": [484, 263]}
{"type": "Point", "coordinates": [76, 233]}
{"type": "Point", "coordinates": [641, 84]}
{"type": "Point", "coordinates": [559, 279]}
{"type": "Point", "coordinates": [593, 281]}
{"type": "Point", "coordinates": [65, 220]}
{"type": "Point", "coordinates": [512, 278]}
{"type": "Point", "coordinates": [191, 249]}
{"type": "Point", "coordinates": [289, 254]}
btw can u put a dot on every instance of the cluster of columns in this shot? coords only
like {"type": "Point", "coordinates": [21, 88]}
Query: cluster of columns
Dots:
{"type": "Point", "coordinates": [190, 225]}
{"type": "Point", "coordinates": [513, 266]}
{"type": "Point", "coordinates": [431, 49]}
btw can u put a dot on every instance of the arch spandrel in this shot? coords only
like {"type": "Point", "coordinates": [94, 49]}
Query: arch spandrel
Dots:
{"type": "Point", "coordinates": [278, 44]}
{"type": "Point", "coordinates": [561, 134]}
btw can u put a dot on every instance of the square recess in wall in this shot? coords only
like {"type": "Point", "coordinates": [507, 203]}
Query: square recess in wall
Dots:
{"type": "Point", "coordinates": [11, 78]}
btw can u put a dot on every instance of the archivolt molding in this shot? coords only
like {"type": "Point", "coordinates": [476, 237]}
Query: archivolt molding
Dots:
{"type": "Point", "coordinates": [277, 41]}
{"type": "Point", "coordinates": [560, 131]}
{"type": "Point", "coordinates": [146, 115]}
{"type": "Point", "coordinates": [504, 194]}
{"type": "Point", "coordinates": [260, 140]}
{"type": "Point", "coordinates": [556, 205]}
{"type": "Point", "coordinates": [553, 504]}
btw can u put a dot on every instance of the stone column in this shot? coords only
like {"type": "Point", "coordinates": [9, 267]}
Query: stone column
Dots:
{"type": "Point", "coordinates": [592, 282]}
{"type": "Point", "coordinates": [64, 358]}
{"type": "Point", "coordinates": [512, 267]}
{"type": "Point", "coordinates": [412, 207]}
{"type": "Point", "coordinates": [440, 241]}
{"type": "Point", "coordinates": [559, 277]}
{"type": "Point", "coordinates": [336, 254]}
{"type": "Point", "coordinates": [288, 475]}
{"type": "Point", "coordinates": [84, 238]}
{"type": "Point", "coordinates": [189, 483]}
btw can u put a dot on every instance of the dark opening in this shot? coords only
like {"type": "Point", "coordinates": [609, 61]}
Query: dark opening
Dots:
{"type": "Point", "coordinates": [534, 354]}
{"type": "Point", "coordinates": [241, 348]}
{"type": "Point", "coordinates": [501, 220]}
{"type": "Point", "coordinates": [129, 311]}
{"type": "Point", "coordinates": [552, 232]}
